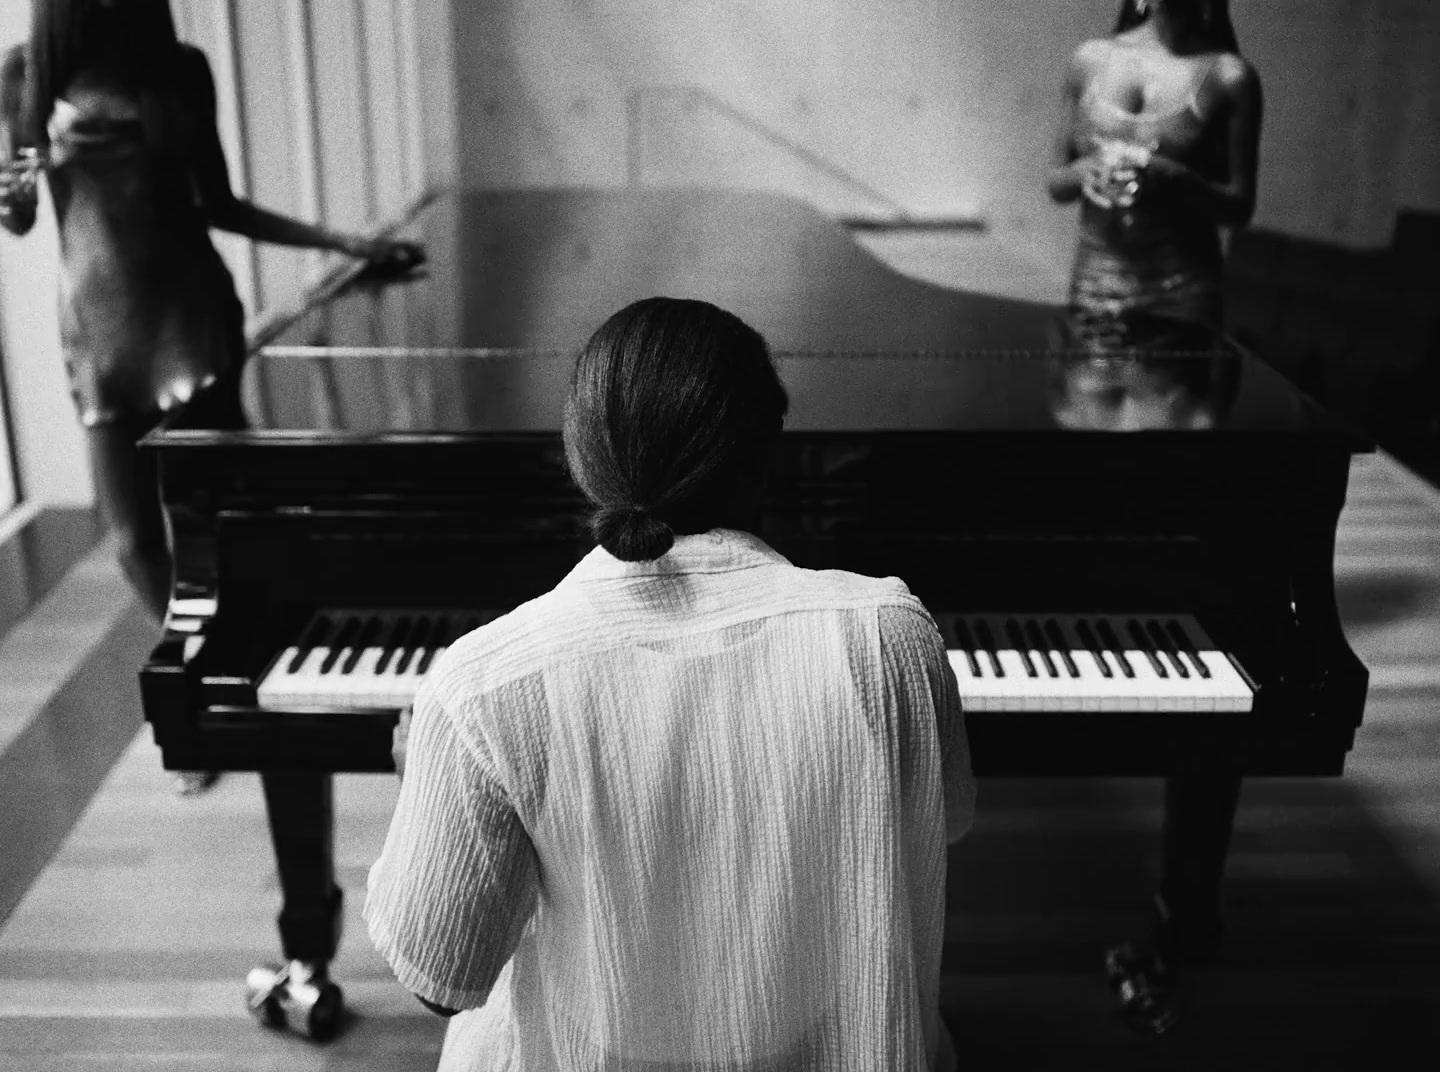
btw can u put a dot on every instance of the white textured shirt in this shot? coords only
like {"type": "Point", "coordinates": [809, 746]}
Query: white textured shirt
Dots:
{"type": "Point", "coordinates": [686, 815]}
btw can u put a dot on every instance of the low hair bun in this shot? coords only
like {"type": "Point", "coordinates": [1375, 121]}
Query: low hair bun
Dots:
{"type": "Point", "coordinates": [632, 533]}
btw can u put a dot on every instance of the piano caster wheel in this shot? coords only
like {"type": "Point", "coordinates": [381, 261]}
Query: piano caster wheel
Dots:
{"type": "Point", "coordinates": [1152, 998]}
{"type": "Point", "coordinates": [300, 989]}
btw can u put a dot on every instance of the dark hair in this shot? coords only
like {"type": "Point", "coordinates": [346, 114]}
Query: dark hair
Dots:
{"type": "Point", "coordinates": [132, 42]}
{"type": "Point", "coordinates": [1213, 28]}
{"type": "Point", "coordinates": [672, 408]}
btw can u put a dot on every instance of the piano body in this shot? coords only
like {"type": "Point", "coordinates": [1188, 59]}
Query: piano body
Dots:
{"type": "Point", "coordinates": [405, 480]}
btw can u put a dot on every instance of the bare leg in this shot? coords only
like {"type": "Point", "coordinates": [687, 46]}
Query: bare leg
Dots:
{"type": "Point", "coordinates": [126, 491]}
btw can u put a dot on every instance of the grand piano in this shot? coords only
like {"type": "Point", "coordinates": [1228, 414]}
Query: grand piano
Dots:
{"type": "Point", "coordinates": [1130, 555]}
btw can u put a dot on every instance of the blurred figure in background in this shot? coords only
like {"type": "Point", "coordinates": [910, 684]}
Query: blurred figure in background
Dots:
{"type": "Point", "coordinates": [120, 117]}
{"type": "Point", "coordinates": [1160, 143]}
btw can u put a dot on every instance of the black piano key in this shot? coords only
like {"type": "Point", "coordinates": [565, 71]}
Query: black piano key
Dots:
{"type": "Point", "coordinates": [1185, 644]}
{"type": "Point", "coordinates": [967, 645]}
{"type": "Point", "coordinates": [988, 646]}
{"type": "Point", "coordinates": [1116, 648]}
{"type": "Point", "coordinates": [419, 637]}
{"type": "Point", "coordinates": [1038, 642]}
{"type": "Point", "coordinates": [1143, 643]}
{"type": "Point", "coordinates": [314, 636]}
{"type": "Point", "coordinates": [399, 633]}
{"type": "Point", "coordinates": [368, 635]}
{"type": "Point", "coordinates": [1012, 630]}
{"type": "Point", "coordinates": [1158, 638]}
{"type": "Point", "coordinates": [1088, 638]}
{"type": "Point", "coordinates": [440, 637]}
{"type": "Point", "coordinates": [1057, 641]}
{"type": "Point", "coordinates": [340, 642]}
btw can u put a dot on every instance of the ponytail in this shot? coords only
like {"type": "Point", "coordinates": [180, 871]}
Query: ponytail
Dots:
{"type": "Point", "coordinates": [671, 407]}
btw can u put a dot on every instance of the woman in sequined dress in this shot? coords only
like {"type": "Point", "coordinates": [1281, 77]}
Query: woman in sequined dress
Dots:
{"type": "Point", "coordinates": [120, 117]}
{"type": "Point", "coordinates": [1160, 146]}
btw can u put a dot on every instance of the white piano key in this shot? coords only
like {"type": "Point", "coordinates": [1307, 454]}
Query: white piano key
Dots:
{"type": "Point", "coordinates": [1002, 673]}
{"type": "Point", "coordinates": [974, 696]}
{"type": "Point", "coordinates": [1093, 689]}
{"type": "Point", "coordinates": [276, 684]}
{"type": "Point", "coordinates": [307, 682]}
{"type": "Point", "coordinates": [1016, 691]}
{"type": "Point", "coordinates": [1230, 690]}
{"type": "Point", "coordinates": [1057, 687]}
{"type": "Point", "coordinates": [1183, 688]}
{"type": "Point", "coordinates": [1186, 681]}
{"type": "Point", "coordinates": [357, 688]}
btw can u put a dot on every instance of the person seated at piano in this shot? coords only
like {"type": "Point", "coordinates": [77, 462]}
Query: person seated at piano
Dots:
{"type": "Point", "coordinates": [120, 116]}
{"type": "Point", "coordinates": [1160, 145]}
{"type": "Point", "coordinates": [690, 808]}
{"type": "Point", "coordinates": [1172, 374]}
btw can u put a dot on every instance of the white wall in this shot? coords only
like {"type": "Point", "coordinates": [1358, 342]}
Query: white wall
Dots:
{"type": "Point", "coordinates": [326, 112]}
{"type": "Point", "coordinates": [941, 106]}
{"type": "Point", "coordinates": [944, 106]}
{"type": "Point", "coordinates": [47, 437]}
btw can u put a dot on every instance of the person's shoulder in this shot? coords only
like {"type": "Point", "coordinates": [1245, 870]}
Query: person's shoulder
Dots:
{"type": "Point", "coordinates": [499, 652]}
{"type": "Point", "coordinates": [1235, 74]}
{"type": "Point", "coordinates": [1090, 55]}
{"type": "Point", "coordinates": [857, 589]}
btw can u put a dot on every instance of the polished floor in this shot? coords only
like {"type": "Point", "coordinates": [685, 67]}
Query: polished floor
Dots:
{"type": "Point", "coordinates": [129, 916]}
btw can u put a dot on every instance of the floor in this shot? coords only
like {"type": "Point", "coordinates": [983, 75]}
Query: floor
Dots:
{"type": "Point", "coordinates": [129, 916]}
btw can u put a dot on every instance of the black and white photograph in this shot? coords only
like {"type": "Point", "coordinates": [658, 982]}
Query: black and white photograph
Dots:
{"type": "Point", "coordinates": [719, 535]}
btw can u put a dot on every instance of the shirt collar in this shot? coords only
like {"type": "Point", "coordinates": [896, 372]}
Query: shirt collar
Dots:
{"type": "Point", "coordinates": [716, 551]}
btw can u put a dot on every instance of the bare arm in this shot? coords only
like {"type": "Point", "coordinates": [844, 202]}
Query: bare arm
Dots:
{"type": "Point", "coordinates": [1069, 171]}
{"type": "Point", "coordinates": [1232, 201]}
{"type": "Point", "coordinates": [17, 197]}
{"type": "Point", "coordinates": [243, 217]}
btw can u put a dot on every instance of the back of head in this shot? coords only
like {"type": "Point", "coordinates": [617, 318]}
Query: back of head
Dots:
{"type": "Point", "coordinates": [672, 409]}
{"type": "Point", "coordinates": [130, 42]}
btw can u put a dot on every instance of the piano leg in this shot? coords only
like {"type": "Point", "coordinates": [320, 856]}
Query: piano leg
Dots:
{"type": "Point", "coordinates": [301, 808]}
{"type": "Point", "coordinates": [1151, 983]}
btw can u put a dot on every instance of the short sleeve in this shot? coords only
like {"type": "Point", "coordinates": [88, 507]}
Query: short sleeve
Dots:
{"type": "Point", "coordinates": [917, 668]}
{"type": "Point", "coordinates": [457, 880]}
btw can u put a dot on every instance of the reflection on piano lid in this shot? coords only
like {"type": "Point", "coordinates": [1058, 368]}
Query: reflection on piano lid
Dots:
{"type": "Point", "coordinates": [517, 281]}
{"type": "Point", "coordinates": [352, 392]}
{"type": "Point", "coordinates": [1164, 375]}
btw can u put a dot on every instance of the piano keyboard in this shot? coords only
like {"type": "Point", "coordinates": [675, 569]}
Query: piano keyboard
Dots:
{"type": "Point", "coordinates": [1003, 662]}
{"type": "Point", "coordinates": [361, 658]}
{"type": "Point", "coordinates": [1091, 662]}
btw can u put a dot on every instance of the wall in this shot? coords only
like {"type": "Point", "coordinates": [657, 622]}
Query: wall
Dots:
{"type": "Point", "coordinates": [339, 111]}
{"type": "Point", "coordinates": [945, 107]}
{"type": "Point", "coordinates": [50, 454]}
{"type": "Point", "coordinates": [942, 107]}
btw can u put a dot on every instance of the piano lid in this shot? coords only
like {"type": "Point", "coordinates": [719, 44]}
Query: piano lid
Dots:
{"type": "Point", "coordinates": [485, 340]}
